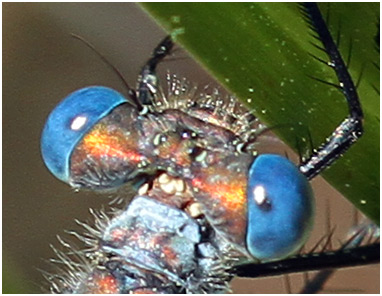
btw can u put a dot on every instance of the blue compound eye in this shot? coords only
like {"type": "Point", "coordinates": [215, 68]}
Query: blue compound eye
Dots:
{"type": "Point", "coordinates": [70, 121]}
{"type": "Point", "coordinates": [280, 208]}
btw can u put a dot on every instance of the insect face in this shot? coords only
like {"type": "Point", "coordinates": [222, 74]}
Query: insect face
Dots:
{"type": "Point", "coordinates": [95, 139]}
{"type": "Point", "coordinates": [211, 202]}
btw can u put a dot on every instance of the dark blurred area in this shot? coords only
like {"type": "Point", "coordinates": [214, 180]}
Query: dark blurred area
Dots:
{"type": "Point", "coordinates": [42, 63]}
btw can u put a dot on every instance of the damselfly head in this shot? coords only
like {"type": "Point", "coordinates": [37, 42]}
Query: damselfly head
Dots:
{"type": "Point", "coordinates": [209, 201]}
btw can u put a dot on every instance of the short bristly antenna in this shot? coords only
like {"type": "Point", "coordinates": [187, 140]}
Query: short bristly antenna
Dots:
{"type": "Point", "coordinates": [130, 92]}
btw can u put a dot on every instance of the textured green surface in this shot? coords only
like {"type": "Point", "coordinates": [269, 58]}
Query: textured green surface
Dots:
{"type": "Point", "coordinates": [259, 51]}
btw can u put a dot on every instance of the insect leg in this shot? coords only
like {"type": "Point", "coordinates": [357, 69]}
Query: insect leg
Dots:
{"type": "Point", "coordinates": [350, 128]}
{"type": "Point", "coordinates": [359, 234]}
{"type": "Point", "coordinates": [148, 82]}
{"type": "Point", "coordinates": [348, 256]}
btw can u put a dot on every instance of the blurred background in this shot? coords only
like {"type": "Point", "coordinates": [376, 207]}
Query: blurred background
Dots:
{"type": "Point", "coordinates": [42, 63]}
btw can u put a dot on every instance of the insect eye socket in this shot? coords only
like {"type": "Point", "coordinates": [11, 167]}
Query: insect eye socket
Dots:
{"type": "Point", "coordinates": [69, 122]}
{"type": "Point", "coordinates": [280, 208]}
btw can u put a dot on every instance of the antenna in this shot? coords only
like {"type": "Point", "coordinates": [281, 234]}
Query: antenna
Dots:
{"type": "Point", "coordinates": [131, 92]}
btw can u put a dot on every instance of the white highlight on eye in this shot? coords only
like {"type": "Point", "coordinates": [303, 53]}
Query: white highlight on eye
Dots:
{"type": "Point", "coordinates": [78, 122]}
{"type": "Point", "coordinates": [259, 194]}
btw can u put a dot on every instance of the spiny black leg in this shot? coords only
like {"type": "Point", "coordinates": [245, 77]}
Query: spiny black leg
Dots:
{"type": "Point", "coordinates": [148, 82]}
{"type": "Point", "coordinates": [352, 253]}
{"type": "Point", "coordinates": [351, 127]}
{"type": "Point", "coordinates": [311, 262]}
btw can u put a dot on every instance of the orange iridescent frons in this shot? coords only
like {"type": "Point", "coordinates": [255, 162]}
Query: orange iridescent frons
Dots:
{"type": "Point", "coordinates": [103, 142]}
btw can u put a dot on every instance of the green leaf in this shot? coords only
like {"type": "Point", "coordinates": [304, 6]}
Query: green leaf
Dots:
{"type": "Point", "coordinates": [260, 52]}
